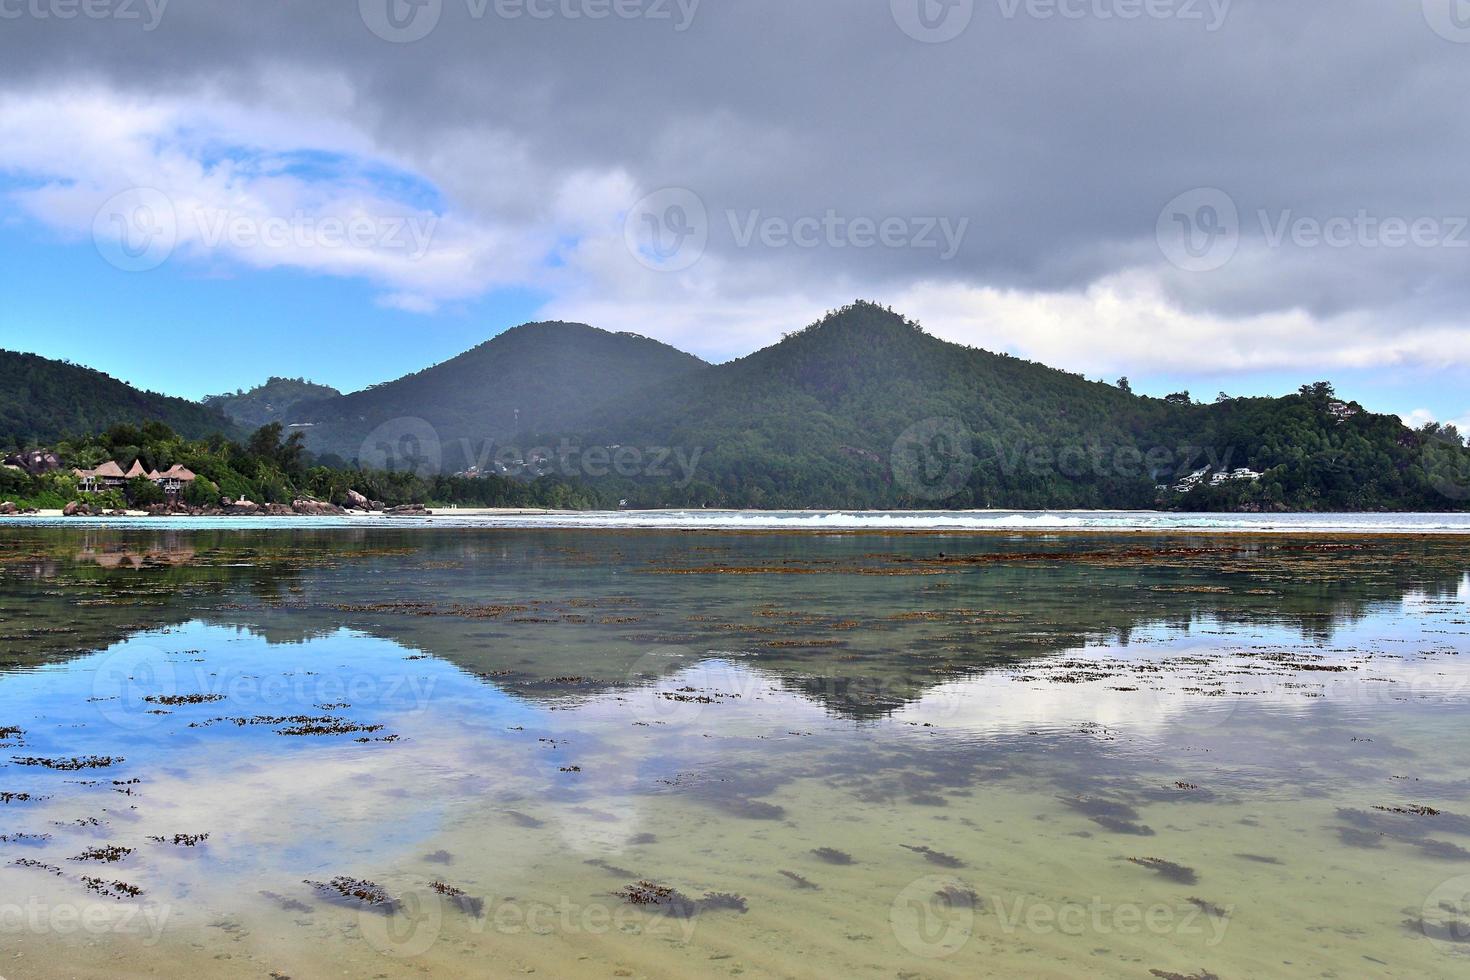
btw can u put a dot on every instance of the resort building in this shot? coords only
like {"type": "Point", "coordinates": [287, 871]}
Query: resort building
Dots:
{"type": "Point", "coordinates": [110, 476]}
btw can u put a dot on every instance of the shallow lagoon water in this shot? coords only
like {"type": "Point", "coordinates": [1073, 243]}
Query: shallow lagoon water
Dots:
{"type": "Point", "coordinates": [849, 754]}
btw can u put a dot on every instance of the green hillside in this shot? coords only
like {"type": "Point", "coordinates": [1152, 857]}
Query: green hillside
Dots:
{"type": "Point", "coordinates": [42, 401]}
{"type": "Point", "coordinates": [864, 409]}
{"type": "Point", "coordinates": [536, 377]}
{"type": "Point", "coordinates": [273, 401]}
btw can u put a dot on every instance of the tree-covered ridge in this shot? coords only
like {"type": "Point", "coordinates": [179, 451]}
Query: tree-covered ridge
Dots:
{"type": "Point", "coordinates": [42, 400]}
{"type": "Point", "coordinates": [267, 468]}
{"type": "Point", "coordinates": [535, 377]}
{"type": "Point", "coordinates": [859, 410]}
{"type": "Point", "coordinates": [827, 417]}
{"type": "Point", "coordinates": [273, 401]}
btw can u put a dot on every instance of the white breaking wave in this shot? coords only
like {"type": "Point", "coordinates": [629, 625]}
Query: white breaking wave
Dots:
{"type": "Point", "coordinates": [737, 520]}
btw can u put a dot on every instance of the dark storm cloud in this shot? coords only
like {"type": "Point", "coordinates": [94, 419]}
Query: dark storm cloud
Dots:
{"type": "Point", "coordinates": [1057, 130]}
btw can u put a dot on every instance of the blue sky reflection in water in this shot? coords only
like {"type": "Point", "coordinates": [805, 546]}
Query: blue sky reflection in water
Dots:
{"type": "Point", "coordinates": [843, 754]}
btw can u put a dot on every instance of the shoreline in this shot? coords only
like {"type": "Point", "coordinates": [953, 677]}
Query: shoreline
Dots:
{"type": "Point", "coordinates": [1035, 523]}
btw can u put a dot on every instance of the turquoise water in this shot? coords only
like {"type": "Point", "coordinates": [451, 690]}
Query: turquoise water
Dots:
{"type": "Point", "coordinates": [650, 753]}
{"type": "Point", "coordinates": [717, 520]}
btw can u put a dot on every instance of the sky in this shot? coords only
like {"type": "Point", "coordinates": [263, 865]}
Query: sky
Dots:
{"type": "Point", "coordinates": [1213, 195]}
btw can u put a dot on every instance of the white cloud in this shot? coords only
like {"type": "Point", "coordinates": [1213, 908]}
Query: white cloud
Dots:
{"type": "Point", "coordinates": [1420, 416]}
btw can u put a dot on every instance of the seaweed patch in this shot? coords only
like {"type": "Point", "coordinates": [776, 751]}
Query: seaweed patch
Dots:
{"type": "Point", "coordinates": [357, 893]}
{"type": "Point", "coordinates": [1167, 869]}
{"type": "Point", "coordinates": [935, 857]}
{"type": "Point", "coordinates": [112, 889]}
{"type": "Point", "coordinates": [74, 764]}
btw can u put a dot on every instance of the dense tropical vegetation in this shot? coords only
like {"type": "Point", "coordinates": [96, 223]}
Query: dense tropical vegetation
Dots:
{"type": "Point", "coordinates": [266, 469]}
{"type": "Point", "coordinates": [860, 410]}
{"type": "Point", "coordinates": [42, 400]}
{"type": "Point", "coordinates": [864, 409]}
{"type": "Point", "coordinates": [274, 401]}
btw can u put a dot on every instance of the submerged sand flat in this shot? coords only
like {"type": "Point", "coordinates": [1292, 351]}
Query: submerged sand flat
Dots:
{"type": "Point", "coordinates": [395, 752]}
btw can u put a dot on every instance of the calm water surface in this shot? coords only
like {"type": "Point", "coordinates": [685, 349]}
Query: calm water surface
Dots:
{"type": "Point", "coordinates": [592, 753]}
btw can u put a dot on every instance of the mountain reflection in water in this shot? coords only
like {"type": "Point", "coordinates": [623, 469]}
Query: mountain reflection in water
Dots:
{"type": "Point", "coordinates": [588, 752]}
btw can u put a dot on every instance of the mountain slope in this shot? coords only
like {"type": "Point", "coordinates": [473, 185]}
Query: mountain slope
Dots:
{"type": "Point", "coordinates": [535, 377]}
{"type": "Point", "coordinates": [42, 400]}
{"type": "Point", "coordinates": [270, 402]}
{"type": "Point", "coordinates": [863, 409]}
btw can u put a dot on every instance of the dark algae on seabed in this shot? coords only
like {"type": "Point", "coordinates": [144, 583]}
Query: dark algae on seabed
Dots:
{"type": "Point", "coordinates": [802, 754]}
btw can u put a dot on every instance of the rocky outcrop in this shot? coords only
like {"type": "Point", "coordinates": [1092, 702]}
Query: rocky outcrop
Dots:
{"type": "Point", "coordinates": [6, 507]}
{"type": "Point", "coordinates": [77, 509]}
{"type": "Point", "coordinates": [408, 510]}
{"type": "Point", "coordinates": [357, 501]}
{"type": "Point", "coordinates": [278, 510]}
{"type": "Point", "coordinates": [243, 508]}
{"type": "Point", "coordinates": [315, 508]}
